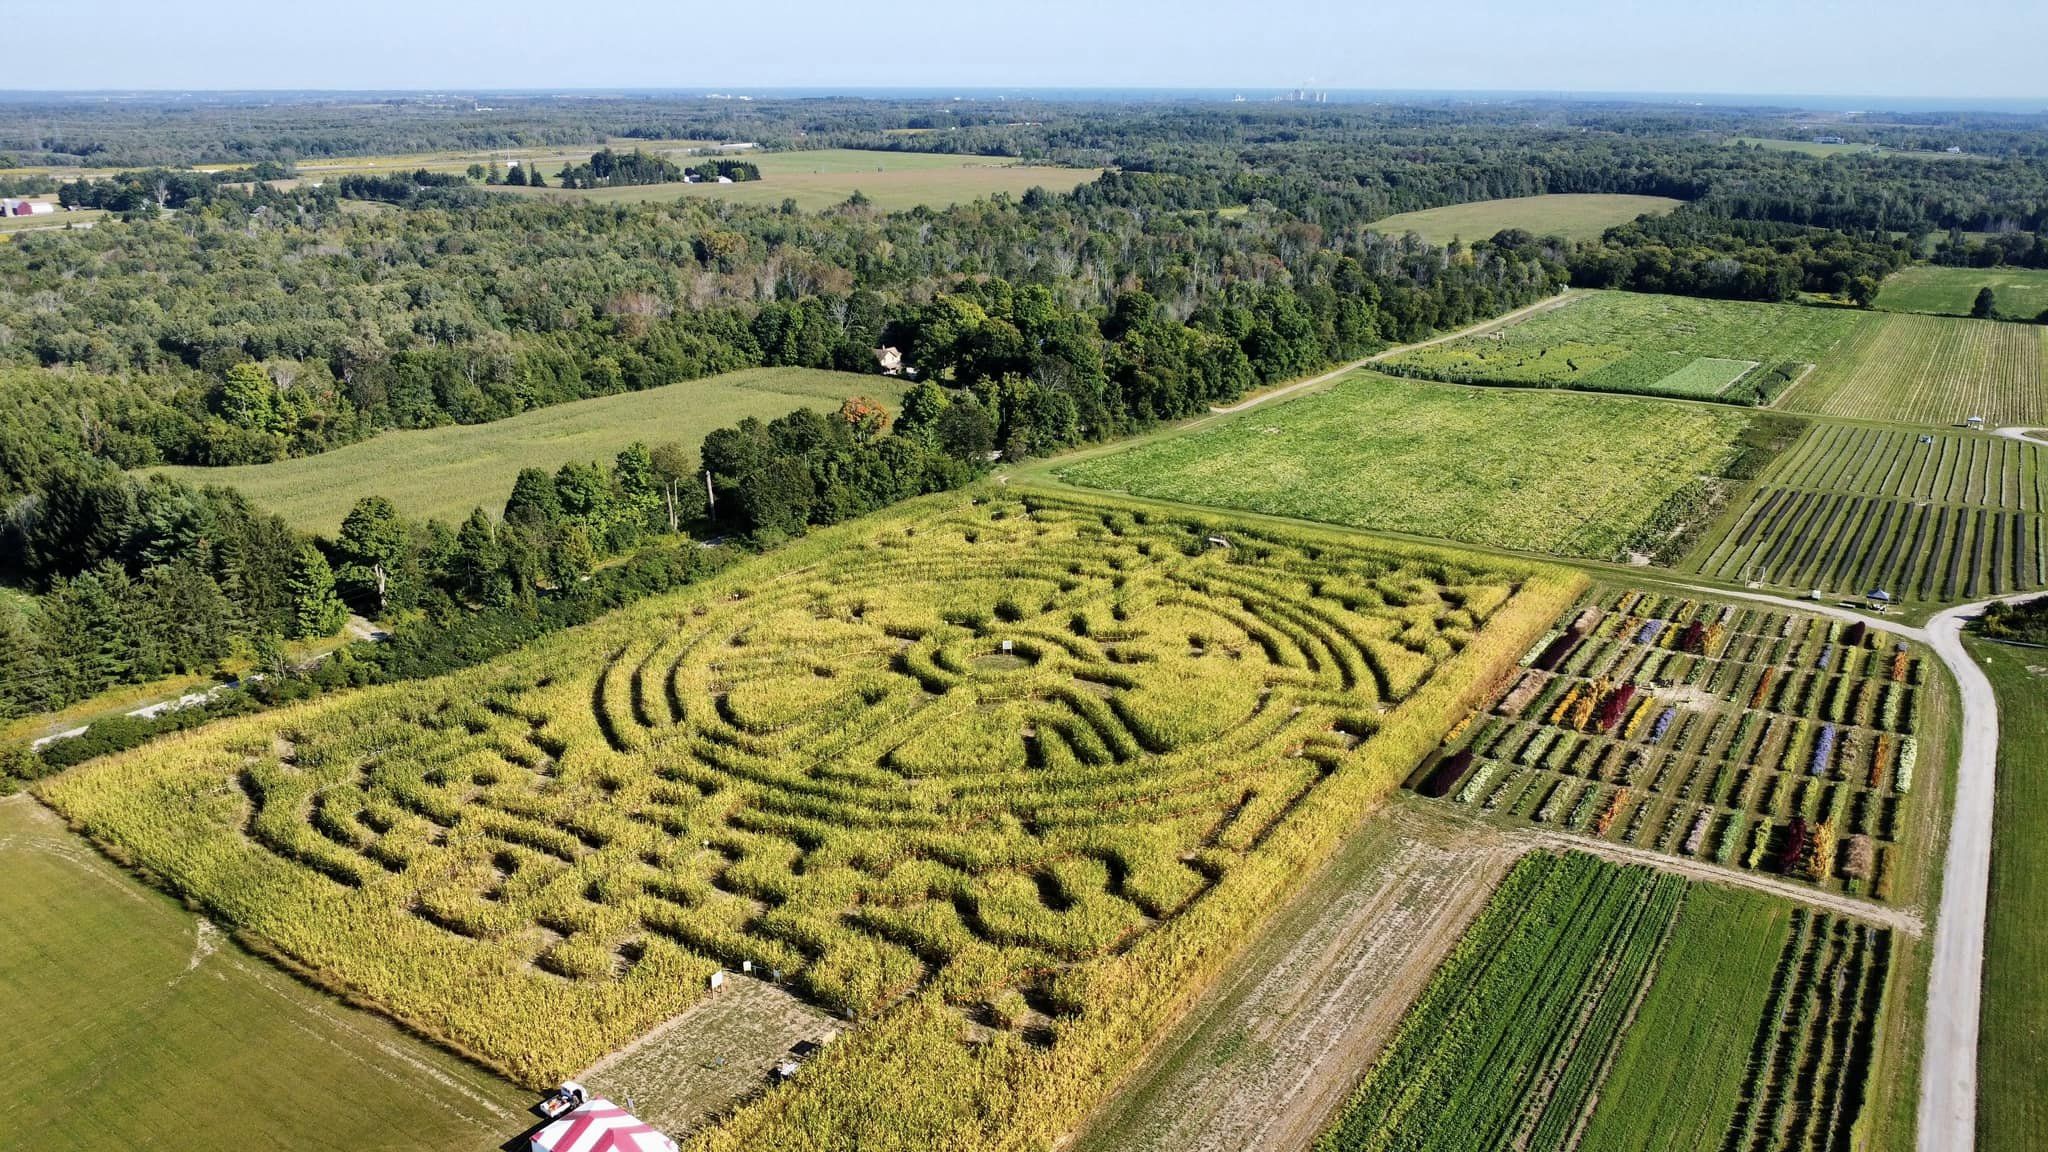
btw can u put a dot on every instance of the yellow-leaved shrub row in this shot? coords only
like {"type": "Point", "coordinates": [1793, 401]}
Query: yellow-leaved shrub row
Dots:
{"type": "Point", "coordinates": [1003, 776]}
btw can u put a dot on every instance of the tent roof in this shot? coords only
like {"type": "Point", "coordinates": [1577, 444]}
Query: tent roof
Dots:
{"type": "Point", "coordinates": [598, 1125]}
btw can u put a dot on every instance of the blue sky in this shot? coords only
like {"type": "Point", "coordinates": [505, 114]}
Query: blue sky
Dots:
{"type": "Point", "coordinates": [1989, 48]}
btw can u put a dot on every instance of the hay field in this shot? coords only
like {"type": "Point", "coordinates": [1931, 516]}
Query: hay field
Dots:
{"type": "Point", "coordinates": [1930, 370]}
{"type": "Point", "coordinates": [442, 473]}
{"type": "Point", "coordinates": [826, 177]}
{"type": "Point", "coordinates": [1578, 216]}
{"type": "Point", "coordinates": [2022, 293]}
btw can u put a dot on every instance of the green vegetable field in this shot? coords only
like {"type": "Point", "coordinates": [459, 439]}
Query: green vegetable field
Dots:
{"type": "Point", "coordinates": [1569, 996]}
{"type": "Point", "coordinates": [1569, 475]}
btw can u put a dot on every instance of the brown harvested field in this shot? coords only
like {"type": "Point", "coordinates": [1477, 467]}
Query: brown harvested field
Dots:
{"type": "Point", "coordinates": [712, 1056]}
{"type": "Point", "coordinates": [1261, 1062]}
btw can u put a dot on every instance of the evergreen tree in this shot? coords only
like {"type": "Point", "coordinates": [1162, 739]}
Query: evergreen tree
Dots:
{"type": "Point", "coordinates": [373, 541]}
{"type": "Point", "coordinates": [1986, 304]}
{"type": "Point", "coordinates": [316, 608]}
{"type": "Point", "coordinates": [478, 566]}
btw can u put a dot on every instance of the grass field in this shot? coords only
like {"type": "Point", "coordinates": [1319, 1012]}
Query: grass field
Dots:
{"type": "Point", "coordinates": [444, 472]}
{"type": "Point", "coordinates": [129, 1019]}
{"type": "Point", "coordinates": [1569, 475]}
{"type": "Point", "coordinates": [1752, 737]}
{"type": "Point", "coordinates": [2012, 1062]}
{"type": "Point", "coordinates": [824, 178]}
{"type": "Point", "coordinates": [1850, 509]}
{"type": "Point", "coordinates": [1001, 776]}
{"type": "Point", "coordinates": [1637, 342]}
{"type": "Point", "coordinates": [1576, 216]}
{"type": "Point", "coordinates": [1930, 370]}
{"type": "Point", "coordinates": [2022, 293]}
{"type": "Point", "coordinates": [1811, 148]}
{"type": "Point", "coordinates": [1516, 1038]}
{"type": "Point", "coordinates": [549, 159]}
{"type": "Point", "coordinates": [1684, 1062]}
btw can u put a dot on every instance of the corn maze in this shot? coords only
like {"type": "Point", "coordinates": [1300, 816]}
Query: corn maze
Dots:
{"type": "Point", "coordinates": [996, 777]}
{"type": "Point", "coordinates": [1517, 1040]}
{"type": "Point", "coordinates": [1750, 737]}
{"type": "Point", "coordinates": [1924, 516]}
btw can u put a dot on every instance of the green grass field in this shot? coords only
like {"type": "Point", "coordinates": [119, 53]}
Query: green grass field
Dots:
{"type": "Point", "coordinates": [1852, 508]}
{"type": "Point", "coordinates": [1679, 1072]}
{"type": "Point", "coordinates": [2012, 1061]}
{"type": "Point", "coordinates": [2022, 293]}
{"type": "Point", "coordinates": [1568, 475]}
{"type": "Point", "coordinates": [1678, 346]}
{"type": "Point", "coordinates": [824, 178]}
{"type": "Point", "coordinates": [1577, 216]}
{"type": "Point", "coordinates": [1930, 370]}
{"type": "Point", "coordinates": [132, 1025]}
{"type": "Point", "coordinates": [1810, 148]}
{"type": "Point", "coordinates": [444, 472]}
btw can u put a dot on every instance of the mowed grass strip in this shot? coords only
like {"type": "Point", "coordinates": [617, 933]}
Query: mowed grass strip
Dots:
{"type": "Point", "coordinates": [129, 1021]}
{"type": "Point", "coordinates": [442, 473]}
{"type": "Point", "coordinates": [1568, 475]}
{"type": "Point", "coordinates": [2021, 293]}
{"type": "Point", "coordinates": [1574, 215]}
{"type": "Point", "coordinates": [2012, 1061]}
{"type": "Point", "coordinates": [1679, 1073]}
{"type": "Point", "coordinates": [1930, 370]}
{"type": "Point", "coordinates": [892, 181]}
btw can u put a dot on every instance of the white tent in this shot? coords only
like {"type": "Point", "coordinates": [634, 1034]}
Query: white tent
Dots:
{"type": "Point", "coordinates": [598, 1125]}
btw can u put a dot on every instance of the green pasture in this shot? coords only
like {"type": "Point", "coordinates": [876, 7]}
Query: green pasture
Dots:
{"type": "Point", "coordinates": [2012, 1063]}
{"type": "Point", "coordinates": [133, 1024]}
{"type": "Point", "coordinates": [2021, 293]}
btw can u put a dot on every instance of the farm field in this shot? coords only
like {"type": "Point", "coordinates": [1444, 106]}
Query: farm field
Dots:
{"type": "Point", "coordinates": [1568, 475]}
{"type": "Point", "coordinates": [1263, 1060]}
{"type": "Point", "coordinates": [1694, 349]}
{"type": "Point", "coordinates": [129, 1018]}
{"type": "Point", "coordinates": [825, 178]}
{"type": "Point", "coordinates": [549, 158]}
{"type": "Point", "coordinates": [2012, 1066]}
{"type": "Point", "coordinates": [1752, 737]}
{"type": "Point", "coordinates": [1925, 516]}
{"type": "Point", "coordinates": [1001, 777]}
{"type": "Point", "coordinates": [1576, 216]}
{"type": "Point", "coordinates": [1515, 1040]}
{"type": "Point", "coordinates": [442, 473]}
{"type": "Point", "coordinates": [1930, 370]}
{"type": "Point", "coordinates": [2022, 293]}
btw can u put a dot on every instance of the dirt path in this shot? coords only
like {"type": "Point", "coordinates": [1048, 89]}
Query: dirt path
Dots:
{"type": "Point", "coordinates": [1955, 984]}
{"type": "Point", "coordinates": [1900, 919]}
{"type": "Point", "coordinates": [1271, 1050]}
{"type": "Point", "coordinates": [1543, 305]}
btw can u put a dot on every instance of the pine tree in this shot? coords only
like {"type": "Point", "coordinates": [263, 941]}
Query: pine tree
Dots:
{"type": "Point", "coordinates": [316, 609]}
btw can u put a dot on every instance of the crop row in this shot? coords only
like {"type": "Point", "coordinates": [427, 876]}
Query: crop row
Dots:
{"type": "Point", "coordinates": [1856, 544]}
{"type": "Point", "coordinates": [1944, 467]}
{"type": "Point", "coordinates": [1508, 1042]}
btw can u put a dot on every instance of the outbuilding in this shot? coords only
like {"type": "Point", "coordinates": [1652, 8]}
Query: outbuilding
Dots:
{"type": "Point", "coordinates": [598, 1125]}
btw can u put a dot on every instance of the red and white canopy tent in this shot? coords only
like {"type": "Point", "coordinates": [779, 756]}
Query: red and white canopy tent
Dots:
{"type": "Point", "coordinates": [598, 1125]}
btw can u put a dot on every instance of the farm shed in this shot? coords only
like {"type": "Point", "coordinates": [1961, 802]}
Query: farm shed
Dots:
{"type": "Point", "coordinates": [598, 1125]}
{"type": "Point", "coordinates": [26, 207]}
